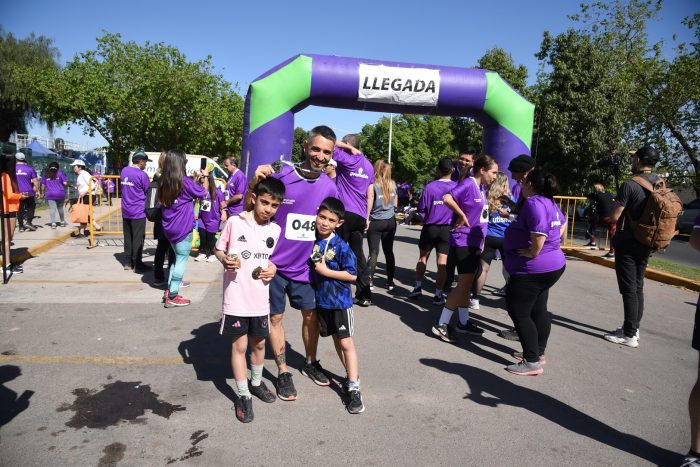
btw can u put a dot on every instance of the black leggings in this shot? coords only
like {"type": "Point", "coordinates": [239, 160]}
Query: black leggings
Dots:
{"type": "Point", "coordinates": [207, 241]}
{"type": "Point", "coordinates": [384, 231]}
{"type": "Point", "coordinates": [526, 302]}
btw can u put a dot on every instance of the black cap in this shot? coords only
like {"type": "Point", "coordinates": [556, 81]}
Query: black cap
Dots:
{"type": "Point", "coordinates": [647, 155]}
{"type": "Point", "coordinates": [522, 163]}
{"type": "Point", "coordinates": [140, 156]}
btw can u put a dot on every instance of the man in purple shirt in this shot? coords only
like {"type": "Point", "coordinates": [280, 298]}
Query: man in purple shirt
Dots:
{"type": "Point", "coordinates": [354, 179]}
{"type": "Point", "coordinates": [28, 183]}
{"type": "Point", "coordinates": [436, 229]}
{"type": "Point", "coordinates": [306, 186]}
{"type": "Point", "coordinates": [464, 164]}
{"type": "Point", "coordinates": [134, 182]}
{"type": "Point", "coordinates": [235, 187]}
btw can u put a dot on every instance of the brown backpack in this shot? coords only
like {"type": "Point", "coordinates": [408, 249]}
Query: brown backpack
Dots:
{"type": "Point", "coordinates": [658, 223]}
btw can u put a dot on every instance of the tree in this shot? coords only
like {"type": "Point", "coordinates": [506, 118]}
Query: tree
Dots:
{"type": "Point", "coordinates": [35, 55]}
{"type": "Point", "coordinates": [298, 145]}
{"type": "Point", "coordinates": [146, 96]}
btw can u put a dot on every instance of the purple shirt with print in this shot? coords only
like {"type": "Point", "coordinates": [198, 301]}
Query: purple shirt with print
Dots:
{"type": "Point", "coordinates": [55, 188]}
{"type": "Point", "coordinates": [134, 182]}
{"type": "Point", "coordinates": [108, 185]}
{"type": "Point", "coordinates": [25, 174]}
{"type": "Point", "coordinates": [297, 217]}
{"type": "Point", "coordinates": [178, 218]}
{"type": "Point", "coordinates": [431, 206]}
{"type": "Point", "coordinates": [471, 199]}
{"type": "Point", "coordinates": [210, 220]}
{"type": "Point", "coordinates": [236, 185]}
{"type": "Point", "coordinates": [354, 175]}
{"type": "Point", "coordinates": [538, 215]}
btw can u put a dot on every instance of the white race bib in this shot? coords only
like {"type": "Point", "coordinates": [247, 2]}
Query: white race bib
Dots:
{"type": "Point", "coordinates": [300, 227]}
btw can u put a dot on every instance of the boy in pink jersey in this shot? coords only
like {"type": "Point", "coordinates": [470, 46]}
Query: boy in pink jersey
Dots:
{"type": "Point", "coordinates": [244, 248]}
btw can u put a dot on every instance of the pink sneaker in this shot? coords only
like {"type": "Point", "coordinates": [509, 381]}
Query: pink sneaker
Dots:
{"type": "Point", "coordinates": [177, 301]}
{"type": "Point", "coordinates": [519, 357]}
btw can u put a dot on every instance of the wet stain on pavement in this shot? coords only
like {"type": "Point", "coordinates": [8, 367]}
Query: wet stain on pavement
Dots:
{"type": "Point", "coordinates": [51, 448]}
{"type": "Point", "coordinates": [112, 455]}
{"type": "Point", "coordinates": [21, 309]}
{"type": "Point", "coordinates": [194, 451]}
{"type": "Point", "coordinates": [56, 433]}
{"type": "Point", "coordinates": [121, 401]}
{"type": "Point", "coordinates": [41, 428]}
{"type": "Point", "coordinates": [9, 352]}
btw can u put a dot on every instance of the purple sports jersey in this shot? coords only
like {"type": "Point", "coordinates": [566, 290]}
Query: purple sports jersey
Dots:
{"type": "Point", "coordinates": [354, 175]}
{"type": "Point", "coordinates": [471, 199]}
{"type": "Point", "coordinates": [178, 218]}
{"type": "Point", "coordinates": [297, 217]}
{"type": "Point", "coordinates": [210, 218]}
{"type": "Point", "coordinates": [55, 189]}
{"type": "Point", "coordinates": [538, 215]}
{"type": "Point", "coordinates": [236, 185]}
{"type": "Point", "coordinates": [25, 175]}
{"type": "Point", "coordinates": [108, 185]}
{"type": "Point", "coordinates": [515, 190]}
{"type": "Point", "coordinates": [134, 183]}
{"type": "Point", "coordinates": [431, 206]}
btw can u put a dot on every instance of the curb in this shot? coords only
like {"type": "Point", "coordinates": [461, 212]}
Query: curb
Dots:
{"type": "Point", "coordinates": [652, 274]}
{"type": "Point", "coordinates": [46, 246]}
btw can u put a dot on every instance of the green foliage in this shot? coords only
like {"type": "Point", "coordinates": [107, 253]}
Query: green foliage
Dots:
{"type": "Point", "coordinates": [298, 144]}
{"type": "Point", "coordinates": [501, 62]}
{"type": "Point", "coordinates": [146, 96]}
{"type": "Point", "coordinates": [33, 55]}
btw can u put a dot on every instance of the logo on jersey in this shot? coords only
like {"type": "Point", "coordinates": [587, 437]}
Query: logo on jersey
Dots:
{"type": "Point", "coordinates": [360, 174]}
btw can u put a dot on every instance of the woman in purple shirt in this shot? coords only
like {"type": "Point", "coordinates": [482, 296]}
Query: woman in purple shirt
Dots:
{"type": "Point", "coordinates": [54, 183]}
{"type": "Point", "coordinates": [535, 262]}
{"type": "Point", "coordinates": [210, 217]}
{"type": "Point", "coordinates": [471, 215]}
{"type": "Point", "coordinates": [176, 193]}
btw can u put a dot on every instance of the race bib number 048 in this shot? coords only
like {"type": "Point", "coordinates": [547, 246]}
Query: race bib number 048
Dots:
{"type": "Point", "coordinates": [300, 227]}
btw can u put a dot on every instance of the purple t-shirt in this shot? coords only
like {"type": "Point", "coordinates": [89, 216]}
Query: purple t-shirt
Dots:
{"type": "Point", "coordinates": [55, 189]}
{"type": "Point", "coordinates": [108, 185]}
{"type": "Point", "coordinates": [25, 174]}
{"type": "Point", "coordinates": [236, 185]}
{"type": "Point", "coordinates": [209, 220]}
{"type": "Point", "coordinates": [538, 215]}
{"type": "Point", "coordinates": [431, 206]}
{"type": "Point", "coordinates": [178, 218]}
{"type": "Point", "coordinates": [297, 217]}
{"type": "Point", "coordinates": [515, 190]}
{"type": "Point", "coordinates": [134, 183]}
{"type": "Point", "coordinates": [471, 199]}
{"type": "Point", "coordinates": [354, 175]}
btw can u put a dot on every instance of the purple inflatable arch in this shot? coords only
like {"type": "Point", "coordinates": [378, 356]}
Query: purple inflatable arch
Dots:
{"type": "Point", "coordinates": [359, 84]}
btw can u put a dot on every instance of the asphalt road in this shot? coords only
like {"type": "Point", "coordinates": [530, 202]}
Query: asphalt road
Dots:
{"type": "Point", "coordinates": [96, 372]}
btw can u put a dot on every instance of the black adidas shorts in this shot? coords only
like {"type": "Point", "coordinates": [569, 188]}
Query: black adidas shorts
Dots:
{"type": "Point", "coordinates": [235, 326]}
{"type": "Point", "coordinates": [435, 236]}
{"type": "Point", "coordinates": [468, 259]}
{"type": "Point", "coordinates": [338, 322]}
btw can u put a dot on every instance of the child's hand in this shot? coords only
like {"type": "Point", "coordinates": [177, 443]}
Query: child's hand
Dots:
{"type": "Point", "coordinates": [321, 267]}
{"type": "Point", "coordinates": [230, 264]}
{"type": "Point", "coordinates": [269, 272]}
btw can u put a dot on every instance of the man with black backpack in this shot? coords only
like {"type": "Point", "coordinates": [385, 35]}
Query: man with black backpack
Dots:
{"type": "Point", "coordinates": [646, 214]}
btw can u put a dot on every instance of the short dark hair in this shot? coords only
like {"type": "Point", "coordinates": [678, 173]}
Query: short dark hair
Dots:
{"type": "Point", "coordinates": [233, 160]}
{"type": "Point", "coordinates": [445, 166]}
{"type": "Point", "coordinates": [270, 186]}
{"type": "Point", "coordinates": [468, 150]}
{"type": "Point", "coordinates": [543, 182]}
{"type": "Point", "coordinates": [353, 139]}
{"type": "Point", "coordinates": [322, 130]}
{"type": "Point", "coordinates": [483, 162]}
{"type": "Point", "coordinates": [334, 205]}
{"type": "Point", "coordinates": [647, 156]}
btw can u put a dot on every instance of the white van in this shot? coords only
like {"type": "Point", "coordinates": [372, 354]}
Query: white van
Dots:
{"type": "Point", "coordinates": [194, 162]}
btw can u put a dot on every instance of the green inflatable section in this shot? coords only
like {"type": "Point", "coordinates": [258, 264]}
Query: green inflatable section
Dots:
{"type": "Point", "coordinates": [275, 94]}
{"type": "Point", "coordinates": [509, 108]}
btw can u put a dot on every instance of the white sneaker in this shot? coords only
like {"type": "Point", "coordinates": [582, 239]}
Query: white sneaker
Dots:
{"type": "Point", "coordinates": [623, 340]}
{"type": "Point", "coordinates": [474, 303]}
{"type": "Point", "coordinates": [201, 257]}
{"type": "Point", "coordinates": [621, 333]}
{"type": "Point", "coordinates": [212, 259]}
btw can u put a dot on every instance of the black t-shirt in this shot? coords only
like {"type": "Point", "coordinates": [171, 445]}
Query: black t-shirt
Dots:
{"type": "Point", "coordinates": [633, 197]}
{"type": "Point", "coordinates": [603, 202]}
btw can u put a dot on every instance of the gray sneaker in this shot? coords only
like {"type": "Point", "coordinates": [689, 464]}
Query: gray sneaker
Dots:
{"type": "Point", "coordinates": [314, 371]}
{"type": "Point", "coordinates": [442, 332]}
{"type": "Point", "coordinates": [355, 404]}
{"type": "Point", "coordinates": [525, 368]}
{"type": "Point", "coordinates": [509, 334]}
{"type": "Point", "coordinates": [261, 392]}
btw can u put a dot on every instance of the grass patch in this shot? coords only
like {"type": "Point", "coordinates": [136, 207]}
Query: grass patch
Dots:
{"type": "Point", "coordinates": [689, 272]}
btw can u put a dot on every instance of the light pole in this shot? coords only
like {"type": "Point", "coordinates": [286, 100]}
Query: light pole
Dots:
{"type": "Point", "coordinates": [391, 124]}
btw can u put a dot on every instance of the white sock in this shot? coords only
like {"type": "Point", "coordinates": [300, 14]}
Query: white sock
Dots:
{"type": "Point", "coordinates": [419, 283]}
{"type": "Point", "coordinates": [445, 316]}
{"type": "Point", "coordinates": [256, 374]}
{"type": "Point", "coordinates": [463, 315]}
{"type": "Point", "coordinates": [243, 390]}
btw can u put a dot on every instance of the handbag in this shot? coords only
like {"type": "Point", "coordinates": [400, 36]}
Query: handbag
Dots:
{"type": "Point", "coordinates": [79, 212]}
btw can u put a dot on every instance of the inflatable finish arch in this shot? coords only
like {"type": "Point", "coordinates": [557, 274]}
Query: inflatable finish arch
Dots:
{"type": "Point", "coordinates": [378, 86]}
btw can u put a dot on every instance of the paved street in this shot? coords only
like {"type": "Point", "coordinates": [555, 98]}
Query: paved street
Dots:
{"type": "Point", "coordinates": [112, 378]}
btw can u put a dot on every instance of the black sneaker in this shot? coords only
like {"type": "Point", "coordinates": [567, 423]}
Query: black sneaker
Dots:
{"type": "Point", "coordinates": [416, 292]}
{"type": "Point", "coordinates": [390, 286]}
{"type": "Point", "coordinates": [355, 404]}
{"type": "Point", "coordinates": [285, 387]}
{"type": "Point", "coordinates": [509, 334]}
{"type": "Point", "coordinates": [261, 392]}
{"type": "Point", "coordinates": [244, 409]}
{"type": "Point", "coordinates": [17, 268]}
{"type": "Point", "coordinates": [469, 328]}
{"type": "Point", "coordinates": [365, 302]}
{"type": "Point", "coordinates": [30, 227]}
{"type": "Point", "coordinates": [314, 371]}
{"type": "Point", "coordinates": [442, 332]}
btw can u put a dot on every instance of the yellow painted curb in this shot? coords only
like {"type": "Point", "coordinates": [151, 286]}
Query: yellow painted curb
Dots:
{"type": "Point", "coordinates": [652, 274]}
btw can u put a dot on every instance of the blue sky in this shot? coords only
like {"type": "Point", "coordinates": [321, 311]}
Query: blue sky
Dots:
{"type": "Point", "coordinates": [247, 39]}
